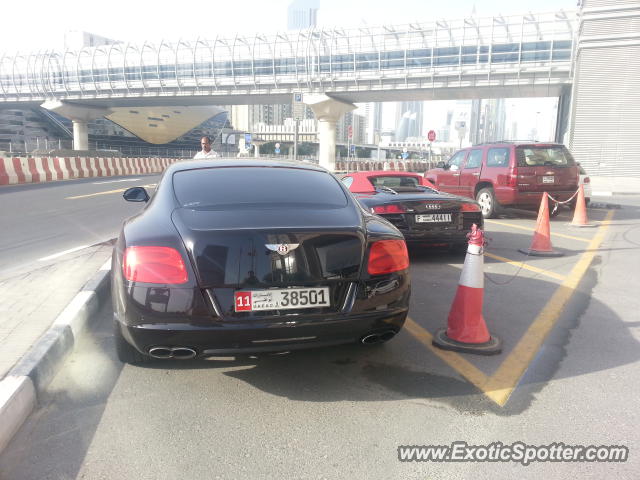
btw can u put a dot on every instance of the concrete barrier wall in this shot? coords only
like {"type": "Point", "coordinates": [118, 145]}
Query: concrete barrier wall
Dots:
{"type": "Point", "coordinates": [18, 170]}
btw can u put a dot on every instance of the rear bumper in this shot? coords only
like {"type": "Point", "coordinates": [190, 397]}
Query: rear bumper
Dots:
{"type": "Point", "coordinates": [508, 197]}
{"type": "Point", "coordinates": [290, 333]}
{"type": "Point", "coordinates": [429, 237]}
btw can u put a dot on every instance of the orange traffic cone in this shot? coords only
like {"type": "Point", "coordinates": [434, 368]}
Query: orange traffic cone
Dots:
{"type": "Point", "coordinates": [541, 243]}
{"type": "Point", "coordinates": [466, 330]}
{"type": "Point", "coordinates": [580, 214]}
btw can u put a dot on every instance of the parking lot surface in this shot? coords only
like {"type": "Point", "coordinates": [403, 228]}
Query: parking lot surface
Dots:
{"type": "Point", "coordinates": [568, 373]}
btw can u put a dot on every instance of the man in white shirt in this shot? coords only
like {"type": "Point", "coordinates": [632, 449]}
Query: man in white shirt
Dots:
{"type": "Point", "coordinates": [206, 151]}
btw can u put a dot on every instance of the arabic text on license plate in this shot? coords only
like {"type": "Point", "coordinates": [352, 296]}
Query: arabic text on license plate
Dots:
{"type": "Point", "coordinates": [548, 179]}
{"type": "Point", "coordinates": [281, 299]}
{"type": "Point", "coordinates": [433, 218]}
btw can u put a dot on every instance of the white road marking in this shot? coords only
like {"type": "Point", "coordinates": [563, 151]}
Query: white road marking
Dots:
{"type": "Point", "coordinates": [117, 181]}
{"type": "Point", "coordinates": [59, 254]}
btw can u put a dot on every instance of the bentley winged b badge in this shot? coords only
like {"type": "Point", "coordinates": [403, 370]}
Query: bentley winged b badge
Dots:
{"type": "Point", "coordinates": [282, 248]}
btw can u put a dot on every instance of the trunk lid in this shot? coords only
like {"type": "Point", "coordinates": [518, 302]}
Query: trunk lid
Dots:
{"type": "Point", "coordinates": [229, 248]}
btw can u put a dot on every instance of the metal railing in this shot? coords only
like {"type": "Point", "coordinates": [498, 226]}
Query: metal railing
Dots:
{"type": "Point", "coordinates": [305, 59]}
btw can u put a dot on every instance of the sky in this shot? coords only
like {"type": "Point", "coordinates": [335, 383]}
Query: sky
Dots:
{"type": "Point", "coordinates": [40, 25]}
{"type": "Point", "coordinates": [30, 25]}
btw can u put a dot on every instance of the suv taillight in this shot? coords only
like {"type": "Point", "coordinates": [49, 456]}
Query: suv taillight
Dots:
{"type": "Point", "coordinates": [512, 177]}
{"type": "Point", "coordinates": [154, 265]}
{"type": "Point", "coordinates": [386, 256]}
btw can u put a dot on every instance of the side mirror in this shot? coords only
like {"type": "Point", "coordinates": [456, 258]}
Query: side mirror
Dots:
{"type": "Point", "coordinates": [136, 194]}
{"type": "Point", "coordinates": [441, 165]}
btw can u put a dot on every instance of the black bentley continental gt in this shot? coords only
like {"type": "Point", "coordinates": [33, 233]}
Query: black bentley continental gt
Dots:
{"type": "Point", "coordinates": [240, 257]}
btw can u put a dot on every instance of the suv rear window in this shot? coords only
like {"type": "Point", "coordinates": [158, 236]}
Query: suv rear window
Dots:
{"type": "Point", "coordinates": [257, 186]}
{"type": "Point", "coordinates": [532, 156]}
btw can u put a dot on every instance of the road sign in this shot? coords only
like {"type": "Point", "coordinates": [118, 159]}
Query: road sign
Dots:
{"type": "Point", "coordinates": [353, 149]}
{"type": "Point", "coordinates": [278, 146]}
{"type": "Point", "coordinates": [298, 106]}
{"type": "Point", "coordinates": [405, 155]}
{"type": "Point", "coordinates": [404, 150]}
{"type": "Point", "coordinates": [431, 136]}
{"type": "Point", "coordinates": [247, 140]}
{"type": "Point", "coordinates": [350, 131]}
{"type": "Point", "coordinates": [277, 150]}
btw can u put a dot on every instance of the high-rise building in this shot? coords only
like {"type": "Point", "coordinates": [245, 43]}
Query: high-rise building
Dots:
{"type": "Point", "coordinates": [409, 120]}
{"type": "Point", "coordinates": [488, 121]}
{"type": "Point", "coordinates": [76, 39]}
{"type": "Point", "coordinates": [302, 14]}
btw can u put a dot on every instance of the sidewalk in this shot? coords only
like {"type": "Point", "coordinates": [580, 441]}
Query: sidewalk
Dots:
{"type": "Point", "coordinates": [608, 186]}
{"type": "Point", "coordinates": [31, 298]}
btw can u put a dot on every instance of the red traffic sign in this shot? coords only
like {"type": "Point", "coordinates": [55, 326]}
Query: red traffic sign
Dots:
{"type": "Point", "coordinates": [431, 135]}
{"type": "Point", "coordinates": [350, 131]}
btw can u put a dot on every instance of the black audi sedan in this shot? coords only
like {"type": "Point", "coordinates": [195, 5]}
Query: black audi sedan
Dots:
{"type": "Point", "coordinates": [233, 257]}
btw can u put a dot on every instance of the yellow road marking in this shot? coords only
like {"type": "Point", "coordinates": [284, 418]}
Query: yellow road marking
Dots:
{"type": "Point", "coordinates": [108, 192]}
{"type": "Point", "coordinates": [454, 360]}
{"type": "Point", "coordinates": [503, 382]}
{"type": "Point", "coordinates": [529, 229]}
{"type": "Point", "coordinates": [524, 266]}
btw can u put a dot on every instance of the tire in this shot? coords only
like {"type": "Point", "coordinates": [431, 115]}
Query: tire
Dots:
{"type": "Point", "coordinates": [488, 203]}
{"type": "Point", "coordinates": [126, 352]}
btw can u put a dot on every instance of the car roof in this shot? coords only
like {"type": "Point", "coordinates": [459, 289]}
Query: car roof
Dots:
{"type": "Point", "coordinates": [185, 165]}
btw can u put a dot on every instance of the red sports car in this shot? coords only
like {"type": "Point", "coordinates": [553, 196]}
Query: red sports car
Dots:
{"type": "Point", "coordinates": [422, 213]}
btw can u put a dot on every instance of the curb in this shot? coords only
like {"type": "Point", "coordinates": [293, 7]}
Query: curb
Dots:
{"type": "Point", "coordinates": [27, 380]}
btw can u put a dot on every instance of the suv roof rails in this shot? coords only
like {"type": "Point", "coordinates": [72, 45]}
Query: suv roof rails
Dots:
{"type": "Point", "coordinates": [528, 141]}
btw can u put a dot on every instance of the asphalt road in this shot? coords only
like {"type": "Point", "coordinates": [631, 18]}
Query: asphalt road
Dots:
{"type": "Point", "coordinates": [342, 412]}
{"type": "Point", "coordinates": [42, 220]}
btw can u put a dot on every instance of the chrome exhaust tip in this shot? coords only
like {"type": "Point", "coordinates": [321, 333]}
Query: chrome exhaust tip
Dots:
{"type": "Point", "coordinates": [388, 335]}
{"type": "Point", "coordinates": [161, 352]}
{"type": "Point", "coordinates": [373, 338]}
{"type": "Point", "coordinates": [370, 339]}
{"type": "Point", "coordinates": [184, 353]}
{"type": "Point", "coordinates": [179, 353]}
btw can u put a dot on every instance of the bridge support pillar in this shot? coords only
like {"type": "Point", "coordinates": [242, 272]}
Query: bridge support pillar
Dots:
{"type": "Point", "coordinates": [80, 115]}
{"type": "Point", "coordinates": [328, 111]}
{"type": "Point", "coordinates": [80, 135]}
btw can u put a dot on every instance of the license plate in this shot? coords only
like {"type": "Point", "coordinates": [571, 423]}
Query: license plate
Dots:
{"type": "Point", "coordinates": [281, 299]}
{"type": "Point", "coordinates": [549, 179]}
{"type": "Point", "coordinates": [434, 218]}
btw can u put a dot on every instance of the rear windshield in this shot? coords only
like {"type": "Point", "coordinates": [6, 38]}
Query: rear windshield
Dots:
{"type": "Point", "coordinates": [531, 156]}
{"type": "Point", "coordinates": [262, 187]}
{"type": "Point", "coordinates": [393, 182]}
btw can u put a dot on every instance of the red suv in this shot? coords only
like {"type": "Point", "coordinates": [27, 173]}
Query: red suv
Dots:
{"type": "Point", "coordinates": [508, 174]}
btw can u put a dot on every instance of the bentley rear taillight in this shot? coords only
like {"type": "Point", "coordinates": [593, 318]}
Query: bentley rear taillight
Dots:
{"type": "Point", "coordinates": [387, 256]}
{"type": "Point", "coordinates": [154, 265]}
{"type": "Point", "coordinates": [388, 209]}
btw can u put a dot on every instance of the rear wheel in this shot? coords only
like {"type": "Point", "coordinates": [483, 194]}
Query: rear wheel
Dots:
{"type": "Point", "coordinates": [488, 203]}
{"type": "Point", "coordinates": [126, 352]}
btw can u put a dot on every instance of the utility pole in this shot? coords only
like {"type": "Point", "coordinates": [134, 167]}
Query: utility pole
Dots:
{"type": "Point", "coordinates": [295, 139]}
